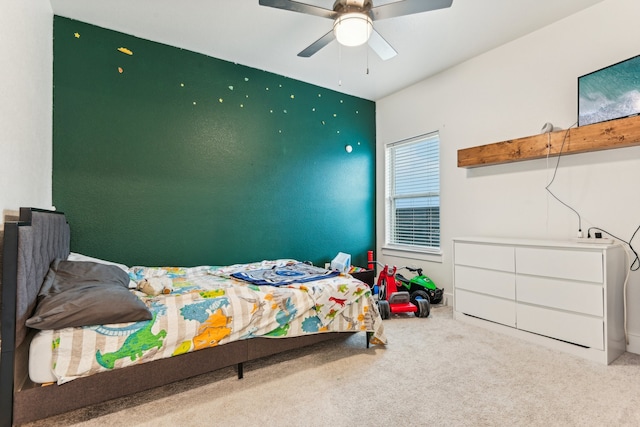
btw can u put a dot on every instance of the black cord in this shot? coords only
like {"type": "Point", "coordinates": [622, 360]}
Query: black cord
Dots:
{"type": "Point", "coordinates": [554, 177]}
{"type": "Point", "coordinates": [635, 265]}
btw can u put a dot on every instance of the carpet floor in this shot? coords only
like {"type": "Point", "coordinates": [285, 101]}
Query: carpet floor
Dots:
{"type": "Point", "coordinates": [434, 372]}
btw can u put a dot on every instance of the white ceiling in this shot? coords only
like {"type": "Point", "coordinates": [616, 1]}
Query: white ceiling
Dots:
{"type": "Point", "coordinates": [269, 39]}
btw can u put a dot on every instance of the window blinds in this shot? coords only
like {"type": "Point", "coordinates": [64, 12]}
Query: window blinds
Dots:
{"type": "Point", "coordinates": [413, 192]}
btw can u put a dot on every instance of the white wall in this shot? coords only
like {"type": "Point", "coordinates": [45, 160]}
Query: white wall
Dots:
{"type": "Point", "coordinates": [26, 86]}
{"type": "Point", "coordinates": [508, 93]}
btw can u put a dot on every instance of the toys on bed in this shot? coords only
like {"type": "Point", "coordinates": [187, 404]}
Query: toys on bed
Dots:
{"type": "Point", "coordinates": [155, 286]}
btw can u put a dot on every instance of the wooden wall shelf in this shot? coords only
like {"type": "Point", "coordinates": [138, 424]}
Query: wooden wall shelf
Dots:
{"type": "Point", "coordinates": [600, 136]}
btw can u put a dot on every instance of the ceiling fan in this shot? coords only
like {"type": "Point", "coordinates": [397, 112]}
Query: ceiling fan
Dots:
{"type": "Point", "coordinates": [353, 21]}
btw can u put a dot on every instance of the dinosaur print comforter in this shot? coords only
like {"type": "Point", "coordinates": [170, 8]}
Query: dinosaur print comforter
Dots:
{"type": "Point", "coordinates": [207, 307]}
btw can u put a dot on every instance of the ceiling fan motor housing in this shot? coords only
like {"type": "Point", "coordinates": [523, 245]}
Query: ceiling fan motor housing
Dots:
{"type": "Point", "coordinates": [350, 6]}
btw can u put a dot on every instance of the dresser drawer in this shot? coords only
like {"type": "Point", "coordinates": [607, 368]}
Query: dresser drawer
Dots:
{"type": "Point", "coordinates": [561, 263]}
{"type": "Point", "coordinates": [580, 297]}
{"type": "Point", "coordinates": [574, 328]}
{"type": "Point", "coordinates": [490, 282]}
{"type": "Point", "coordinates": [486, 307]}
{"type": "Point", "coordinates": [492, 257]}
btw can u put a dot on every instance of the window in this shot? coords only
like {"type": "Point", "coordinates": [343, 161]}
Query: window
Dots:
{"type": "Point", "coordinates": [413, 193]}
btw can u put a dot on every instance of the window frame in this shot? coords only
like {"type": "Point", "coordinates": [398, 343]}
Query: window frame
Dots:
{"type": "Point", "coordinates": [392, 246]}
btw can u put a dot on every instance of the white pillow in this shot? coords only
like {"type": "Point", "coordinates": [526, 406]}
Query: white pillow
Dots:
{"type": "Point", "coordinates": [73, 256]}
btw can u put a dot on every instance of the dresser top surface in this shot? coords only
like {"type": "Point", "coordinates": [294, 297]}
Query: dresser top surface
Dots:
{"type": "Point", "coordinates": [514, 241]}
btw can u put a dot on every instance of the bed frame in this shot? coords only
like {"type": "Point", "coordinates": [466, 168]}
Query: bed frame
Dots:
{"type": "Point", "coordinates": [30, 245]}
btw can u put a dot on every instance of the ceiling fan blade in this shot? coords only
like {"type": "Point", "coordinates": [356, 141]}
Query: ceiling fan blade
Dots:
{"type": "Point", "coordinates": [381, 47]}
{"type": "Point", "coordinates": [318, 44]}
{"type": "Point", "coordinates": [407, 7]}
{"type": "Point", "coordinates": [300, 7]}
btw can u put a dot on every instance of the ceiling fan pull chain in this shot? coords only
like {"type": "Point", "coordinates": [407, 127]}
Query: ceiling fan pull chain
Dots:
{"type": "Point", "coordinates": [339, 65]}
{"type": "Point", "coordinates": [367, 47]}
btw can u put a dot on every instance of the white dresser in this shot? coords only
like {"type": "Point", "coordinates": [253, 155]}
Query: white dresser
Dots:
{"type": "Point", "coordinates": [565, 295]}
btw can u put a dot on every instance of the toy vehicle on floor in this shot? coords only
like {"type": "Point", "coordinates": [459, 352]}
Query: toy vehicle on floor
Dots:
{"type": "Point", "coordinates": [420, 286]}
{"type": "Point", "coordinates": [392, 301]}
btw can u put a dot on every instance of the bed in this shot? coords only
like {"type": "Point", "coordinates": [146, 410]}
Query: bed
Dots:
{"type": "Point", "coordinates": [191, 321]}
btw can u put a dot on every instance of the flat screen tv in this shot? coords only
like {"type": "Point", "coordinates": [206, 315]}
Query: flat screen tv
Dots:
{"type": "Point", "coordinates": [610, 93]}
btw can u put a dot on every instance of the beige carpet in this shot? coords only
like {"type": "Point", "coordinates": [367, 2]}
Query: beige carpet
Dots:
{"type": "Point", "coordinates": [434, 372]}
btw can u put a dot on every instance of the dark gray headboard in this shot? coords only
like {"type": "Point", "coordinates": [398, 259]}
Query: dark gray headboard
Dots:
{"type": "Point", "coordinates": [30, 245]}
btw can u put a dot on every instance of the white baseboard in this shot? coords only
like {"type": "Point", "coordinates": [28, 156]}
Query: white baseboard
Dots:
{"type": "Point", "coordinates": [634, 343]}
{"type": "Point", "coordinates": [447, 298]}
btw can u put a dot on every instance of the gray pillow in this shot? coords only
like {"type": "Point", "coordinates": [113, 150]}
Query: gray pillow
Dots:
{"type": "Point", "coordinates": [81, 293]}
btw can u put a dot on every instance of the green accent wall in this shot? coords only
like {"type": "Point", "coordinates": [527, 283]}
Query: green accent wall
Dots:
{"type": "Point", "coordinates": [163, 156]}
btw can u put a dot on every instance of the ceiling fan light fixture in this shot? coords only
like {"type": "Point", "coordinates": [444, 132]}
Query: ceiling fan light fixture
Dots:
{"type": "Point", "coordinates": [352, 29]}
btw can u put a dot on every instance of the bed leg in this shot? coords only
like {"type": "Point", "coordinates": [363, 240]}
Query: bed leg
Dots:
{"type": "Point", "coordinates": [369, 338]}
{"type": "Point", "coordinates": [240, 370]}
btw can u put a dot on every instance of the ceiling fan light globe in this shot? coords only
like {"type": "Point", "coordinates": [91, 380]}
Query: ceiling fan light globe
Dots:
{"type": "Point", "coordinates": [352, 29]}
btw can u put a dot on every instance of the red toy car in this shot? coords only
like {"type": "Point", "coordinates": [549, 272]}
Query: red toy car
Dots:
{"type": "Point", "coordinates": [390, 300]}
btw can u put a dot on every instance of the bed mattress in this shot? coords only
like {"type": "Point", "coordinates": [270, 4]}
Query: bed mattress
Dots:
{"type": "Point", "coordinates": [40, 356]}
